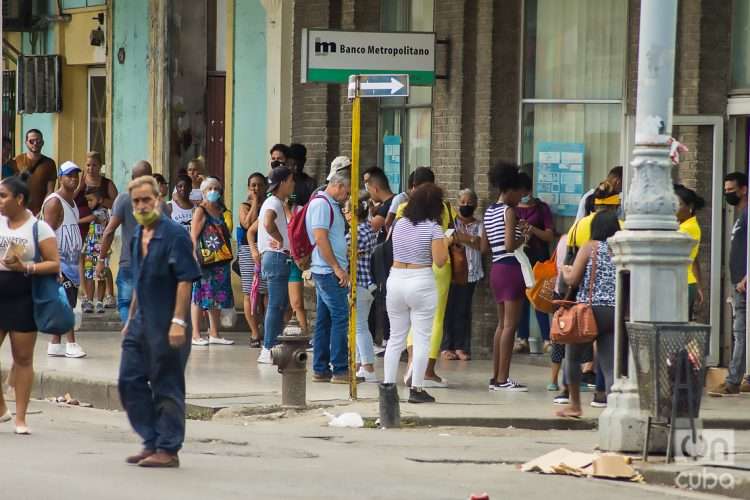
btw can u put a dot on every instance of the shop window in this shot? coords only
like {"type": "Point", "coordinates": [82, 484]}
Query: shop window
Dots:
{"type": "Point", "coordinates": [741, 47]}
{"type": "Point", "coordinates": [405, 125]}
{"type": "Point", "coordinates": [574, 62]}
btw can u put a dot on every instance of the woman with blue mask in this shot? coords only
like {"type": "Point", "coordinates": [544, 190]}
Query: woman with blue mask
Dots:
{"type": "Point", "coordinates": [535, 220]}
{"type": "Point", "coordinates": [211, 230]}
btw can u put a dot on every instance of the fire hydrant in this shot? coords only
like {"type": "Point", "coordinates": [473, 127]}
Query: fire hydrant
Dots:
{"type": "Point", "coordinates": [290, 355]}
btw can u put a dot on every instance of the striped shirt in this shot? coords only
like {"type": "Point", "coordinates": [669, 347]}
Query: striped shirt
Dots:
{"type": "Point", "coordinates": [473, 256]}
{"type": "Point", "coordinates": [494, 223]}
{"type": "Point", "coordinates": [412, 243]}
{"type": "Point", "coordinates": [365, 244]}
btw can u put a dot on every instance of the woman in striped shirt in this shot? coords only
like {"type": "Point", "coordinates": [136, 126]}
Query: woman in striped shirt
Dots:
{"type": "Point", "coordinates": [412, 295]}
{"type": "Point", "coordinates": [502, 236]}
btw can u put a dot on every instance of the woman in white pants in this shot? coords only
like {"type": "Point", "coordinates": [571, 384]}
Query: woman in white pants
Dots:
{"type": "Point", "coordinates": [418, 242]}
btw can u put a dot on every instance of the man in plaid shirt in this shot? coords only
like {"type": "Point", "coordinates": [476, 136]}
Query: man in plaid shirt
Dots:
{"type": "Point", "coordinates": [366, 240]}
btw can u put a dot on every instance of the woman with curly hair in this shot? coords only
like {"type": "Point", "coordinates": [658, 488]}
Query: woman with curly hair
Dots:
{"type": "Point", "coordinates": [502, 236]}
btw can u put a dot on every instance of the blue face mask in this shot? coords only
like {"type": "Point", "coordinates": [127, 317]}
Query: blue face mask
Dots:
{"type": "Point", "coordinates": [213, 196]}
{"type": "Point", "coordinates": [525, 199]}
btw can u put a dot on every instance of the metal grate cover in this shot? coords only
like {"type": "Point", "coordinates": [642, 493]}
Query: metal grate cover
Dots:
{"type": "Point", "coordinates": [655, 347]}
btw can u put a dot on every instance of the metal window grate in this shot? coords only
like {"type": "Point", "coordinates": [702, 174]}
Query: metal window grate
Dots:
{"type": "Point", "coordinates": [39, 84]}
{"type": "Point", "coordinates": [9, 104]}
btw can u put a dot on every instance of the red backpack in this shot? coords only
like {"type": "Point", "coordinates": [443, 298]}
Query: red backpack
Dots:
{"type": "Point", "coordinates": [299, 243]}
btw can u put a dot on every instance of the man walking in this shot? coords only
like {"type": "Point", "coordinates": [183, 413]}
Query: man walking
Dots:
{"type": "Point", "coordinates": [326, 230]}
{"type": "Point", "coordinates": [273, 245]}
{"type": "Point", "coordinates": [61, 213]}
{"type": "Point", "coordinates": [43, 170]}
{"type": "Point", "coordinates": [155, 348]}
{"type": "Point", "coordinates": [735, 194]}
{"type": "Point", "coordinates": [122, 215]}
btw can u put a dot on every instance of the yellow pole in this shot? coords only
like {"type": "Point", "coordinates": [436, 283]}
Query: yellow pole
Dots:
{"type": "Point", "coordinates": [353, 250]}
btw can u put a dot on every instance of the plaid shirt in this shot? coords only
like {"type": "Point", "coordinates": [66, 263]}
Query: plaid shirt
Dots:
{"type": "Point", "coordinates": [366, 240]}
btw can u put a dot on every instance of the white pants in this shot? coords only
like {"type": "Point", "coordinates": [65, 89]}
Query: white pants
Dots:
{"type": "Point", "coordinates": [365, 351]}
{"type": "Point", "coordinates": [411, 301]}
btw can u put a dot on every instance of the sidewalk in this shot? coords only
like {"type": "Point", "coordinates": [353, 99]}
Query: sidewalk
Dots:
{"type": "Point", "coordinates": [229, 377]}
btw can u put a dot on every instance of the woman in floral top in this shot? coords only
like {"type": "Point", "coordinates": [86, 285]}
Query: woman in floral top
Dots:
{"type": "Point", "coordinates": [457, 340]}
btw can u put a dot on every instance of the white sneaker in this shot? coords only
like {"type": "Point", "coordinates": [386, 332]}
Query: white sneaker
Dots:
{"type": "Point", "coordinates": [57, 350]}
{"type": "Point", "coordinates": [368, 377]}
{"type": "Point", "coordinates": [265, 357]}
{"type": "Point", "coordinates": [435, 384]}
{"type": "Point", "coordinates": [199, 342]}
{"type": "Point", "coordinates": [219, 341]}
{"type": "Point", "coordinates": [73, 350]}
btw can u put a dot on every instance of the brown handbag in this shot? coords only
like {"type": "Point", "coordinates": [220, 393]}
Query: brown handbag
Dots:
{"type": "Point", "coordinates": [459, 261]}
{"type": "Point", "coordinates": [574, 322]}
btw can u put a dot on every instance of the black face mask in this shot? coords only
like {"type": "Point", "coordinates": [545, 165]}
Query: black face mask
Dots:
{"type": "Point", "coordinates": [732, 198]}
{"type": "Point", "coordinates": [276, 163]}
{"type": "Point", "coordinates": [466, 210]}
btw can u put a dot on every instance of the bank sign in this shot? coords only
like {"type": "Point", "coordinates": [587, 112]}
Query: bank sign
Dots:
{"type": "Point", "coordinates": [330, 56]}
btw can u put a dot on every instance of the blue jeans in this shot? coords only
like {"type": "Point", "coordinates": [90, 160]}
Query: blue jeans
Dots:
{"type": "Point", "coordinates": [152, 387]}
{"type": "Point", "coordinates": [737, 366]}
{"type": "Point", "coordinates": [331, 326]}
{"type": "Point", "coordinates": [275, 270]}
{"type": "Point", "coordinates": [124, 292]}
{"type": "Point", "coordinates": [525, 322]}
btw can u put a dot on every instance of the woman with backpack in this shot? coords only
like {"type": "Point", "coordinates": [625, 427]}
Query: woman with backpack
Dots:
{"type": "Point", "coordinates": [594, 273]}
{"type": "Point", "coordinates": [211, 230]}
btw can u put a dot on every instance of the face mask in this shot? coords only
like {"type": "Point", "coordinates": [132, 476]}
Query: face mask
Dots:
{"type": "Point", "coordinates": [213, 196]}
{"type": "Point", "coordinates": [466, 210]}
{"type": "Point", "coordinates": [732, 198]}
{"type": "Point", "coordinates": [525, 199]}
{"type": "Point", "coordinates": [146, 219]}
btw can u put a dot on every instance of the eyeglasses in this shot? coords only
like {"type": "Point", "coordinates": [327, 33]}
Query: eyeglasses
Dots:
{"type": "Point", "coordinates": [35, 141]}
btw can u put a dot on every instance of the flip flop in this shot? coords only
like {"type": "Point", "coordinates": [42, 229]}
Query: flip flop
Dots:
{"type": "Point", "coordinates": [563, 414]}
{"type": "Point", "coordinates": [449, 355]}
{"type": "Point", "coordinates": [463, 356]}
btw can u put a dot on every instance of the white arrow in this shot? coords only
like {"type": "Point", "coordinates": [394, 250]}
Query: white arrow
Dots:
{"type": "Point", "coordinates": [394, 85]}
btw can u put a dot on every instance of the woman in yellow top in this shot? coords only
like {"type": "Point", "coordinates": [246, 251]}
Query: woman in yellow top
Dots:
{"type": "Point", "coordinates": [689, 204]}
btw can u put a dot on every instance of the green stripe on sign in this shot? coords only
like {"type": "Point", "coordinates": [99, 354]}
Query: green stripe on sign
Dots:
{"type": "Point", "coordinates": [342, 75]}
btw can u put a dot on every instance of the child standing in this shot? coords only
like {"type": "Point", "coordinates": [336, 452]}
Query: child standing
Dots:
{"type": "Point", "coordinates": [94, 288]}
{"type": "Point", "coordinates": [457, 339]}
{"type": "Point", "coordinates": [365, 287]}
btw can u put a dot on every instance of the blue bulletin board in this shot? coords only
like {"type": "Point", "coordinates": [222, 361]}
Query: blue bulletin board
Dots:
{"type": "Point", "coordinates": [559, 176]}
{"type": "Point", "coordinates": [392, 161]}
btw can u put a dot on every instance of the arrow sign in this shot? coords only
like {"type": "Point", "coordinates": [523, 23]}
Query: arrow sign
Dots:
{"type": "Point", "coordinates": [379, 85]}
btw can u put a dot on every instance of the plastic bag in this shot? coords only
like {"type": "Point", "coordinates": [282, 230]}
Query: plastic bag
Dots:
{"type": "Point", "coordinates": [228, 317]}
{"type": "Point", "coordinates": [350, 419]}
{"type": "Point", "coordinates": [78, 312]}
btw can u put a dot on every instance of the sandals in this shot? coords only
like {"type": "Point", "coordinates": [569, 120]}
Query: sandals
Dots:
{"type": "Point", "coordinates": [449, 355]}
{"type": "Point", "coordinates": [568, 413]}
{"type": "Point", "coordinates": [463, 356]}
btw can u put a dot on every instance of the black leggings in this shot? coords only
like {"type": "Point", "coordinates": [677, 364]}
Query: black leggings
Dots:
{"type": "Point", "coordinates": [605, 345]}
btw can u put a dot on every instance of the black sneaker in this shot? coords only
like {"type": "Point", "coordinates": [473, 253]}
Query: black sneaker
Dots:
{"type": "Point", "coordinates": [562, 399]}
{"type": "Point", "coordinates": [600, 400]}
{"type": "Point", "coordinates": [493, 383]}
{"type": "Point", "coordinates": [420, 396]}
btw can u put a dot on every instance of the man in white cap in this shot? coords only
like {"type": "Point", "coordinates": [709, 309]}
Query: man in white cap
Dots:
{"type": "Point", "coordinates": [339, 164]}
{"type": "Point", "coordinates": [59, 210]}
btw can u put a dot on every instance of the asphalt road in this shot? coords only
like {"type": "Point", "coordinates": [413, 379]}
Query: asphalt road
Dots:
{"type": "Point", "coordinates": [78, 453]}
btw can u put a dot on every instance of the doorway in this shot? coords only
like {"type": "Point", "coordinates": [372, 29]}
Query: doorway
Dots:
{"type": "Point", "coordinates": [97, 111]}
{"type": "Point", "coordinates": [215, 111]}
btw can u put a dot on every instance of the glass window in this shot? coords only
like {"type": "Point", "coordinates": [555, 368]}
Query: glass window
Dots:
{"type": "Point", "coordinates": [741, 45]}
{"type": "Point", "coordinates": [406, 121]}
{"type": "Point", "coordinates": [573, 75]}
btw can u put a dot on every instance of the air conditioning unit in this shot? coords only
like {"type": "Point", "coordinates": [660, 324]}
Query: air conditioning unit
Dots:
{"type": "Point", "coordinates": [39, 84]}
{"type": "Point", "coordinates": [18, 15]}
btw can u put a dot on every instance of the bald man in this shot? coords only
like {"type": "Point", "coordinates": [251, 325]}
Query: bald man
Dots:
{"type": "Point", "coordinates": [122, 215]}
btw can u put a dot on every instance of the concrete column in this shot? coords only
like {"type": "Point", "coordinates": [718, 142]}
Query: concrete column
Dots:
{"type": "Point", "coordinates": [650, 249]}
{"type": "Point", "coordinates": [279, 60]}
{"type": "Point", "coordinates": [158, 85]}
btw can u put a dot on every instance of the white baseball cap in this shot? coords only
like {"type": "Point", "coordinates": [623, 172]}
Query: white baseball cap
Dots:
{"type": "Point", "coordinates": [68, 168]}
{"type": "Point", "coordinates": [339, 163]}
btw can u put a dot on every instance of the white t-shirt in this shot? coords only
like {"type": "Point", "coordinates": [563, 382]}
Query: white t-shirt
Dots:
{"type": "Point", "coordinates": [23, 235]}
{"type": "Point", "coordinates": [397, 201]}
{"type": "Point", "coordinates": [264, 239]}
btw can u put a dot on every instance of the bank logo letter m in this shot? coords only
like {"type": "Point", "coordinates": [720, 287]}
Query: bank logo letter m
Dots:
{"type": "Point", "coordinates": [323, 48]}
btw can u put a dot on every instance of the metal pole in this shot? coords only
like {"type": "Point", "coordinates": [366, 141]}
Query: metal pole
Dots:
{"type": "Point", "coordinates": [353, 250]}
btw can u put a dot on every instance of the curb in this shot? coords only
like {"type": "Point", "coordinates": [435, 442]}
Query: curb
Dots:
{"type": "Point", "coordinates": [669, 478]}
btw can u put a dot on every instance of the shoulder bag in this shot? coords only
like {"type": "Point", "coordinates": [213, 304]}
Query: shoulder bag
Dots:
{"type": "Point", "coordinates": [52, 312]}
{"type": "Point", "coordinates": [214, 243]}
{"type": "Point", "coordinates": [574, 322]}
{"type": "Point", "coordinates": [459, 261]}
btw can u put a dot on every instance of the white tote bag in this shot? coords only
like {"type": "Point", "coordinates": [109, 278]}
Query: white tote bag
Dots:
{"type": "Point", "coordinates": [526, 269]}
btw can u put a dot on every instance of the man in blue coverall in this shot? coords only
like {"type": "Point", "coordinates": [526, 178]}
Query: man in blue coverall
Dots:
{"type": "Point", "coordinates": [154, 346]}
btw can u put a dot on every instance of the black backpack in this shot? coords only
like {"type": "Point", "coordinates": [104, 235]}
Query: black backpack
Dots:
{"type": "Point", "coordinates": [381, 261]}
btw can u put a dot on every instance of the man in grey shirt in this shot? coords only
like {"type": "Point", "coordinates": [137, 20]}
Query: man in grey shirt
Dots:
{"type": "Point", "coordinates": [122, 215]}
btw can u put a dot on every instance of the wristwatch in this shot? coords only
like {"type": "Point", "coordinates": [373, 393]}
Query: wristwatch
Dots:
{"type": "Point", "coordinates": [181, 322]}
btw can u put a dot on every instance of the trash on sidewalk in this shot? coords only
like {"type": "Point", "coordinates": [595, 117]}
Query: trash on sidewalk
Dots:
{"type": "Point", "coordinates": [573, 463]}
{"type": "Point", "coordinates": [350, 419]}
{"type": "Point", "coordinates": [69, 400]}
